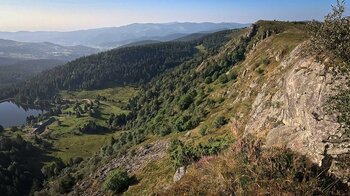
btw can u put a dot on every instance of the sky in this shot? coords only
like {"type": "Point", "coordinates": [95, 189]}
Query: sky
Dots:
{"type": "Point", "coordinates": [67, 15]}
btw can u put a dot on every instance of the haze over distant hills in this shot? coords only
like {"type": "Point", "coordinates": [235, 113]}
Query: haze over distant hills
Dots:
{"type": "Point", "coordinates": [112, 37]}
{"type": "Point", "coordinates": [33, 52]}
{"type": "Point", "coordinates": [25, 50]}
{"type": "Point", "coordinates": [21, 60]}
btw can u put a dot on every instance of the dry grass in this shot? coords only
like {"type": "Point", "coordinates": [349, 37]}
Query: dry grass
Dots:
{"type": "Point", "coordinates": [251, 170]}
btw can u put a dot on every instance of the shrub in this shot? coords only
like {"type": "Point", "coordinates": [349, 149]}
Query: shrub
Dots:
{"type": "Point", "coordinates": [184, 154]}
{"type": "Point", "coordinates": [203, 131]}
{"type": "Point", "coordinates": [185, 102]}
{"type": "Point", "coordinates": [215, 76]}
{"type": "Point", "coordinates": [181, 154]}
{"type": "Point", "coordinates": [92, 128]}
{"type": "Point", "coordinates": [14, 129]}
{"type": "Point", "coordinates": [339, 104]}
{"type": "Point", "coordinates": [265, 61]}
{"type": "Point", "coordinates": [214, 146]}
{"type": "Point", "coordinates": [184, 123]}
{"type": "Point", "coordinates": [1, 128]}
{"type": "Point", "coordinates": [332, 36]}
{"type": "Point", "coordinates": [260, 71]}
{"type": "Point", "coordinates": [192, 123]}
{"type": "Point", "coordinates": [75, 160]}
{"type": "Point", "coordinates": [220, 121]}
{"type": "Point", "coordinates": [117, 181]}
{"type": "Point", "coordinates": [211, 70]}
{"type": "Point", "coordinates": [232, 75]}
{"type": "Point", "coordinates": [208, 80]}
{"type": "Point", "coordinates": [179, 123]}
{"type": "Point", "coordinates": [223, 79]}
{"type": "Point", "coordinates": [53, 168]}
{"type": "Point", "coordinates": [65, 184]}
{"type": "Point", "coordinates": [165, 131]}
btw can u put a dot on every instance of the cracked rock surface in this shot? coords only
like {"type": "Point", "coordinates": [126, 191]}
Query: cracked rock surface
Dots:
{"type": "Point", "coordinates": [293, 116]}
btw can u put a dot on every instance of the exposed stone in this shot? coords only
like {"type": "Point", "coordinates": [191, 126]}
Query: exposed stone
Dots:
{"type": "Point", "coordinates": [180, 172]}
{"type": "Point", "coordinates": [299, 122]}
{"type": "Point", "coordinates": [188, 134]}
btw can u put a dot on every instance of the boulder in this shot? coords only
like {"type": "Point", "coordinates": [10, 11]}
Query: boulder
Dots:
{"type": "Point", "coordinates": [180, 172]}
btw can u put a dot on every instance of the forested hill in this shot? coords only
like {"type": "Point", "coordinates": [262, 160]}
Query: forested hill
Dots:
{"type": "Point", "coordinates": [124, 66]}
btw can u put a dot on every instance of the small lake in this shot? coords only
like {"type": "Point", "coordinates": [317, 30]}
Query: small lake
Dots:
{"type": "Point", "coordinates": [12, 114]}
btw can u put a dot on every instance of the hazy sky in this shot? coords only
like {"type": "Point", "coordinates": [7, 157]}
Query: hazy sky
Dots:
{"type": "Point", "coordinates": [65, 15]}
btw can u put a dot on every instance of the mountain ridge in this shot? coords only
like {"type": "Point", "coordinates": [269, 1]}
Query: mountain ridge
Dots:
{"type": "Point", "coordinates": [42, 50]}
{"type": "Point", "coordinates": [96, 37]}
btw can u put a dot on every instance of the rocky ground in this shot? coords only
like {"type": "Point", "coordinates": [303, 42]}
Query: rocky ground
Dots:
{"type": "Point", "coordinates": [90, 186]}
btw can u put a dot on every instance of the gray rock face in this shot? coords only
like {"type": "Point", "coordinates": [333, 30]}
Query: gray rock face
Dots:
{"type": "Point", "coordinates": [180, 172]}
{"type": "Point", "coordinates": [289, 110]}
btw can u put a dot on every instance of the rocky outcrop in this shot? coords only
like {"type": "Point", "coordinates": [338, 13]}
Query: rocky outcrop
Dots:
{"type": "Point", "coordinates": [91, 185]}
{"type": "Point", "coordinates": [289, 110]}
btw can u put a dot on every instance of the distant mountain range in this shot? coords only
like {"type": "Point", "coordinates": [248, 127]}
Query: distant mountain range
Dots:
{"type": "Point", "coordinates": [11, 50]}
{"type": "Point", "coordinates": [113, 37]}
{"type": "Point", "coordinates": [22, 60]}
{"type": "Point", "coordinates": [33, 52]}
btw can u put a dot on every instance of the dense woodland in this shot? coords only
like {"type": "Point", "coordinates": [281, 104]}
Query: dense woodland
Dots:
{"type": "Point", "coordinates": [17, 173]}
{"type": "Point", "coordinates": [18, 72]}
{"type": "Point", "coordinates": [132, 65]}
{"type": "Point", "coordinates": [125, 66]}
{"type": "Point", "coordinates": [181, 103]}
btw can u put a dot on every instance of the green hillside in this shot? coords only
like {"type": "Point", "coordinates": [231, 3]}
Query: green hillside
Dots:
{"type": "Point", "coordinates": [124, 66]}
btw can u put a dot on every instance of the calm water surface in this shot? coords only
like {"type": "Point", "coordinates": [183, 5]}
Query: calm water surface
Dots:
{"type": "Point", "coordinates": [12, 114]}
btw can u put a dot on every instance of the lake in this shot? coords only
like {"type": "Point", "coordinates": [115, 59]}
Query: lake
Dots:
{"type": "Point", "coordinates": [12, 114]}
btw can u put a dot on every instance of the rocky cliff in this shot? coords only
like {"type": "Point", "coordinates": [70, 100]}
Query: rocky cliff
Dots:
{"type": "Point", "coordinates": [294, 114]}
